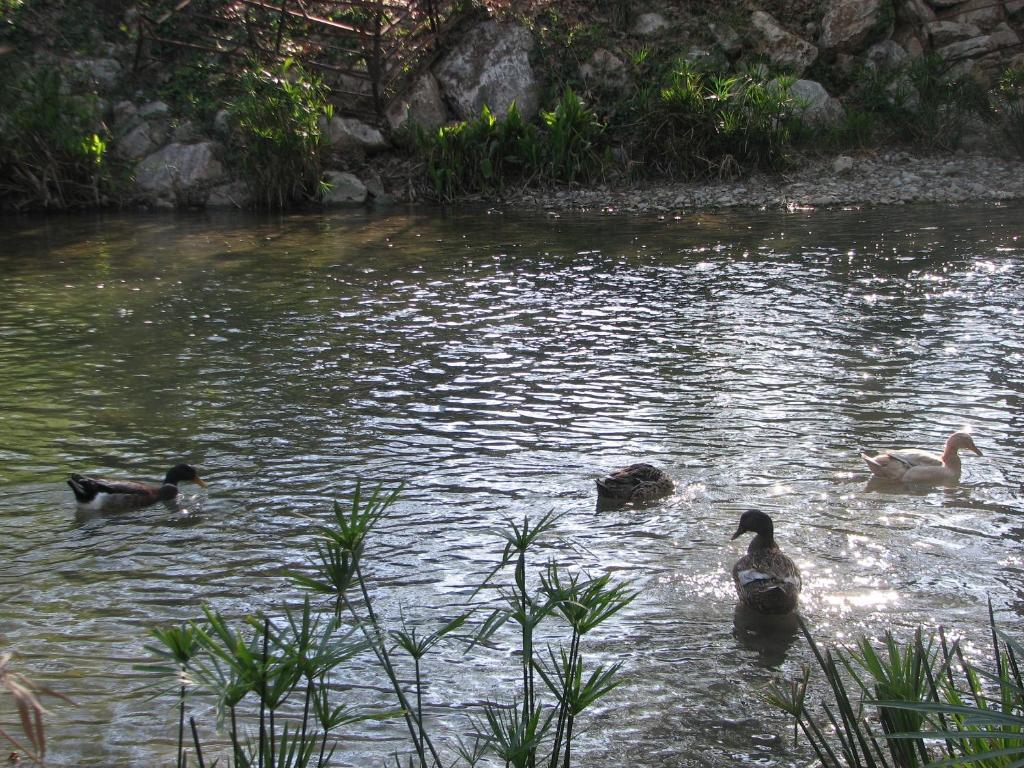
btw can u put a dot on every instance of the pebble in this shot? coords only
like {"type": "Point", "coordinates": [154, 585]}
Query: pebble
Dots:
{"type": "Point", "coordinates": [885, 179]}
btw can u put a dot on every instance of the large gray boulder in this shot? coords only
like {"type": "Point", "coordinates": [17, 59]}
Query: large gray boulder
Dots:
{"type": "Point", "coordinates": [886, 55]}
{"type": "Point", "coordinates": [349, 133]}
{"type": "Point", "coordinates": [103, 74]}
{"type": "Point", "coordinates": [605, 69]}
{"type": "Point", "coordinates": [849, 25]}
{"type": "Point", "coordinates": [343, 189]}
{"type": "Point", "coordinates": [138, 142]}
{"type": "Point", "coordinates": [814, 104]}
{"type": "Point", "coordinates": [649, 24]}
{"type": "Point", "coordinates": [973, 48]}
{"type": "Point", "coordinates": [945, 32]}
{"type": "Point", "coordinates": [983, 13]}
{"type": "Point", "coordinates": [422, 105]}
{"type": "Point", "coordinates": [490, 66]}
{"type": "Point", "coordinates": [782, 47]}
{"type": "Point", "coordinates": [181, 171]}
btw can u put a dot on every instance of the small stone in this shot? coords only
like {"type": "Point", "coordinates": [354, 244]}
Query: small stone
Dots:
{"type": "Point", "coordinates": [842, 165]}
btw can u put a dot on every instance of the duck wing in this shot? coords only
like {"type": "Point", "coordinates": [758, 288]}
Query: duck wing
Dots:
{"type": "Point", "coordinates": [767, 581]}
{"type": "Point", "coordinates": [623, 482]}
{"type": "Point", "coordinates": [98, 491]}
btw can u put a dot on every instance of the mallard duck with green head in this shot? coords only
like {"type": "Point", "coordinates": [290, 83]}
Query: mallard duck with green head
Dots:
{"type": "Point", "coordinates": [766, 579]}
{"type": "Point", "coordinates": [635, 484]}
{"type": "Point", "coordinates": [101, 494]}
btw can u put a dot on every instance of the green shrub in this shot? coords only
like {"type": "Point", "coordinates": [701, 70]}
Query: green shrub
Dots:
{"type": "Point", "coordinates": [1008, 100]}
{"type": "Point", "coordinates": [919, 104]}
{"type": "Point", "coordinates": [489, 155]}
{"type": "Point", "coordinates": [278, 140]}
{"type": "Point", "coordinates": [572, 141]}
{"type": "Point", "coordinates": [482, 155]}
{"type": "Point", "coordinates": [279, 677]}
{"type": "Point", "coordinates": [932, 706]}
{"type": "Point", "coordinates": [699, 125]}
{"type": "Point", "coordinates": [52, 145]}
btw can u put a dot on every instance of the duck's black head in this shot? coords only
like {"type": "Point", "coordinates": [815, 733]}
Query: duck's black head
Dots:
{"type": "Point", "coordinates": [755, 521]}
{"type": "Point", "coordinates": [180, 473]}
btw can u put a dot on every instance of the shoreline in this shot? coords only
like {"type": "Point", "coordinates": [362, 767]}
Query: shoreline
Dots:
{"type": "Point", "coordinates": [884, 178]}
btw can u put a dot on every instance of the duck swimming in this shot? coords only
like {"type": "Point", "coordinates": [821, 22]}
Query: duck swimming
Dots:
{"type": "Point", "coordinates": [637, 484]}
{"type": "Point", "coordinates": [766, 580]}
{"type": "Point", "coordinates": [912, 465]}
{"type": "Point", "coordinates": [95, 493]}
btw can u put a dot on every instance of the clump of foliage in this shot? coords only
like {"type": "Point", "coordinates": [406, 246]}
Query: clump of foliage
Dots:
{"type": "Point", "coordinates": [282, 675]}
{"type": "Point", "coordinates": [278, 140]}
{"type": "Point", "coordinates": [1008, 101]}
{"type": "Point", "coordinates": [699, 125]}
{"type": "Point", "coordinates": [918, 104]}
{"type": "Point", "coordinates": [931, 706]}
{"type": "Point", "coordinates": [52, 145]}
{"type": "Point", "coordinates": [490, 155]}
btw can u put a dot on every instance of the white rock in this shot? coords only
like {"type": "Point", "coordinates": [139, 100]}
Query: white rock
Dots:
{"type": "Point", "coordinates": [103, 73]}
{"type": "Point", "coordinates": [648, 24]}
{"type": "Point", "coordinates": [848, 24]}
{"type": "Point", "coordinates": [782, 47]}
{"type": "Point", "coordinates": [945, 32]}
{"type": "Point", "coordinates": [886, 55]}
{"type": "Point", "coordinates": [347, 132]}
{"type": "Point", "coordinates": [180, 169]}
{"type": "Point", "coordinates": [815, 105]}
{"type": "Point", "coordinates": [137, 143]}
{"type": "Point", "coordinates": [490, 66]}
{"type": "Point", "coordinates": [345, 188]}
{"type": "Point", "coordinates": [153, 109]}
{"type": "Point", "coordinates": [234, 194]}
{"type": "Point", "coordinates": [422, 105]}
{"type": "Point", "coordinates": [606, 69]}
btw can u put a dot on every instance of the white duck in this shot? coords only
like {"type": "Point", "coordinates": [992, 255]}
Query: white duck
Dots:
{"type": "Point", "coordinates": [912, 465]}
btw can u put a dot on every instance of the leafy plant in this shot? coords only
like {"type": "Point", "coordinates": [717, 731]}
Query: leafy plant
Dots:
{"type": "Point", "coordinates": [1008, 100]}
{"type": "Point", "coordinates": [25, 693]}
{"type": "Point", "coordinates": [920, 104]}
{"type": "Point", "coordinates": [285, 666]}
{"type": "Point", "coordinates": [278, 138]}
{"type": "Point", "coordinates": [572, 141]}
{"type": "Point", "coordinates": [934, 707]}
{"type": "Point", "coordinates": [52, 145]}
{"type": "Point", "coordinates": [700, 125]}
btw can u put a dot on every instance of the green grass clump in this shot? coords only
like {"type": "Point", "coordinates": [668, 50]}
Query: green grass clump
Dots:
{"type": "Point", "coordinates": [1008, 102]}
{"type": "Point", "coordinates": [52, 145]}
{"type": "Point", "coordinates": [924, 701]}
{"type": "Point", "coordinates": [918, 104]}
{"type": "Point", "coordinates": [274, 681]}
{"type": "Point", "coordinates": [277, 141]}
{"type": "Point", "coordinates": [699, 125]}
{"type": "Point", "coordinates": [491, 155]}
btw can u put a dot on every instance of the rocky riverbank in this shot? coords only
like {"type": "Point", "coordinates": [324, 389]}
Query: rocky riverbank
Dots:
{"type": "Point", "coordinates": [886, 178]}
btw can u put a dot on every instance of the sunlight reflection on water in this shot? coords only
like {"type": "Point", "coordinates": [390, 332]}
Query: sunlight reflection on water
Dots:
{"type": "Point", "coordinates": [498, 365]}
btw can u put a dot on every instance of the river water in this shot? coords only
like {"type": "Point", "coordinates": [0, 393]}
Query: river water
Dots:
{"type": "Point", "coordinates": [497, 364]}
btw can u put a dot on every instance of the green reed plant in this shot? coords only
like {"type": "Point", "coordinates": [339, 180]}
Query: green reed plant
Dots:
{"type": "Point", "coordinates": [268, 671]}
{"type": "Point", "coordinates": [1008, 102]}
{"type": "Point", "coordinates": [573, 137]}
{"type": "Point", "coordinates": [278, 138]}
{"type": "Point", "coordinates": [52, 145]}
{"type": "Point", "coordinates": [699, 125]}
{"type": "Point", "coordinates": [933, 707]}
{"type": "Point", "coordinates": [920, 104]}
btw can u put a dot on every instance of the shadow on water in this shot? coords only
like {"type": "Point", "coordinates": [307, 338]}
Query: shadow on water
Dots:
{"type": "Point", "coordinates": [771, 637]}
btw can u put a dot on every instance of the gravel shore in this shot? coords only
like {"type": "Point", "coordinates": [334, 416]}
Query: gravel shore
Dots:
{"type": "Point", "coordinates": [887, 178]}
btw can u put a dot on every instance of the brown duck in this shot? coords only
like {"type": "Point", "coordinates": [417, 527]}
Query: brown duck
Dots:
{"type": "Point", "coordinates": [636, 484]}
{"type": "Point", "coordinates": [96, 493]}
{"type": "Point", "coordinates": [766, 580]}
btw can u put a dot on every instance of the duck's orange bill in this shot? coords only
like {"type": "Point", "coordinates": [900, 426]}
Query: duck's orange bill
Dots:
{"type": "Point", "coordinates": [200, 483]}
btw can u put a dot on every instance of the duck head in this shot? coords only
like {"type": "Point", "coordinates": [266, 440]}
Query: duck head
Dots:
{"type": "Point", "coordinates": [962, 441]}
{"type": "Point", "coordinates": [755, 521]}
{"type": "Point", "coordinates": [181, 473]}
